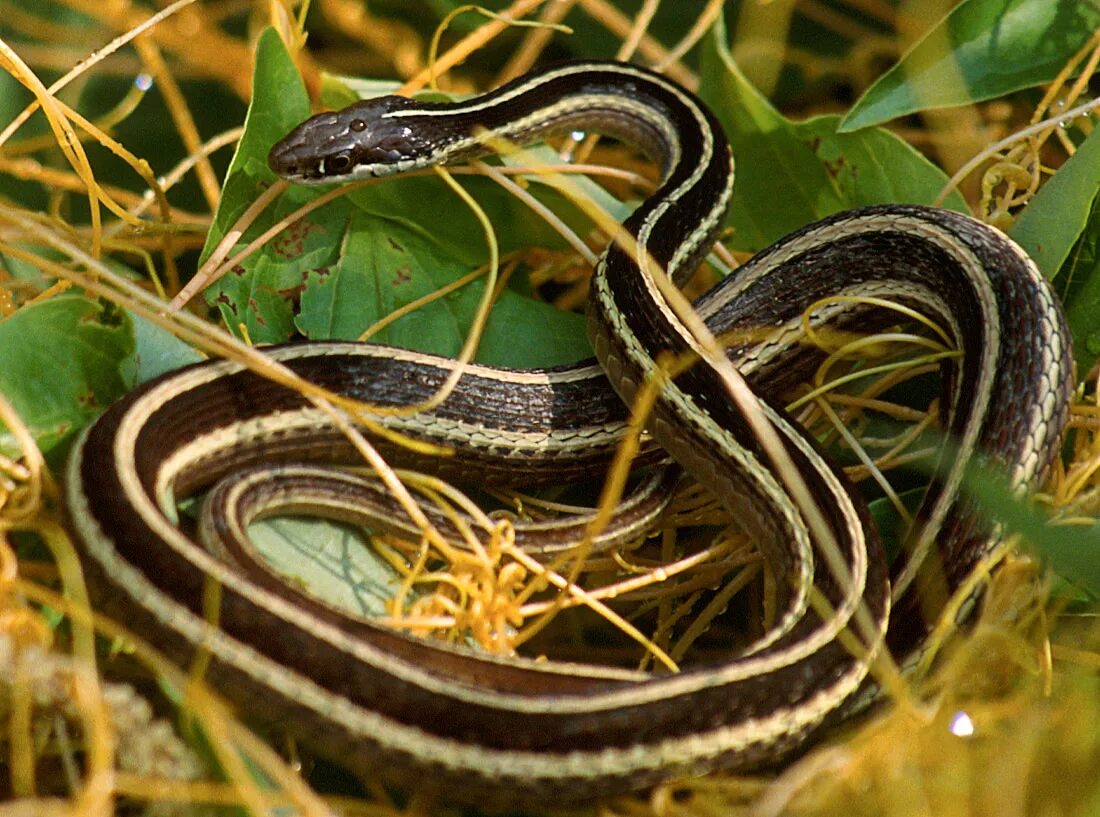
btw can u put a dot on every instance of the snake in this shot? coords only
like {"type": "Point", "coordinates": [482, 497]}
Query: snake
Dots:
{"type": "Point", "coordinates": [470, 727]}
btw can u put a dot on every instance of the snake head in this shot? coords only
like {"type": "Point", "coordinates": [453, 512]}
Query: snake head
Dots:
{"type": "Point", "coordinates": [365, 139]}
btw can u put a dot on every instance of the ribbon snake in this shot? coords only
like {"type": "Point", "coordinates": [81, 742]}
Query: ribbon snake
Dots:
{"type": "Point", "coordinates": [517, 731]}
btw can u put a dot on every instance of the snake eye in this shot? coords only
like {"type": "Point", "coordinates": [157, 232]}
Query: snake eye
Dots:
{"type": "Point", "coordinates": [358, 125]}
{"type": "Point", "coordinates": [338, 164]}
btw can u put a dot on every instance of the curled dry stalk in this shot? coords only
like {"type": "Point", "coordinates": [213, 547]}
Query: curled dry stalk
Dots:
{"type": "Point", "coordinates": [1017, 167]}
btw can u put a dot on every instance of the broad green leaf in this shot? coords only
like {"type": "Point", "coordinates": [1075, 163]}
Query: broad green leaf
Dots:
{"type": "Point", "coordinates": [1081, 292]}
{"type": "Point", "coordinates": [279, 102]}
{"type": "Point", "coordinates": [28, 274]}
{"type": "Point", "coordinates": [65, 360]}
{"type": "Point", "coordinates": [382, 266]}
{"type": "Point", "coordinates": [1072, 551]}
{"type": "Point", "coordinates": [156, 350]}
{"type": "Point", "coordinates": [554, 337]}
{"type": "Point", "coordinates": [1060, 229]}
{"type": "Point", "coordinates": [790, 174]}
{"type": "Point", "coordinates": [427, 203]}
{"type": "Point", "coordinates": [982, 49]}
{"type": "Point", "coordinates": [327, 560]}
{"type": "Point", "coordinates": [1052, 223]}
{"type": "Point", "coordinates": [385, 264]}
{"type": "Point", "coordinates": [260, 300]}
{"type": "Point", "coordinates": [263, 298]}
{"type": "Point", "coordinates": [339, 90]}
{"type": "Point", "coordinates": [891, 527]}
{"type": "Point", "coordinates": [874, 167]}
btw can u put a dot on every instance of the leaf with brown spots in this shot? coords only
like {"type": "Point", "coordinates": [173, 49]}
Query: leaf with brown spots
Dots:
{"type": "Point", "coordinates": [63, 364]}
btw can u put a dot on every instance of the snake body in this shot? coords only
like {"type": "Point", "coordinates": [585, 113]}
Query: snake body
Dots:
{"type": "Point", "coordinates": [518, 731]}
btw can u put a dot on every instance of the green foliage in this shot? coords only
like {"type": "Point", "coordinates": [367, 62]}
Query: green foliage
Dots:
{"type": "Point", "coordinates": [1060, 230]}
{"type": "Point", "coordinates": [982, 49]}
{"type": "Point", "coordinates": [329, 560]}
{"type": "Point", "coordinates": [1071, 551]}
{"type": "Point", "coordinates": [1080, 278]}
{"type": "Point", "coordinates": [65, 361]}
{"type": "Point", "coordinates": [792, 173]}
{"type": "Point", "coordinates": [68, 358]}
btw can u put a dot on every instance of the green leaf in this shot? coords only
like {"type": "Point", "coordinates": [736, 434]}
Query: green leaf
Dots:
{"type": "Point", "coordinates": [263, 296]}
{"type": "Point", "coordinates": [279, 102]}
{"type": "Point", "coordinates": [790, 174]}
{"type": "Point", "coordinates": [65, 360]}
{"type": "Point", "coordinates": [1060, 229]}
{"type": "Point", "coordinates": [1073, 552]}
{"type": "Point", "coordinates": [156, 350]}
{"type": "Point", "coordinates": [874, 167]}
{"type": "Point", "coordinates": [889, 523]}
{"type": "Point", "coordinates": [383, 265]}
{"type": "Point", "coordinates": [1052, 223]}
{"type": "Point", "coordinates": [28, 274]}
{"type": "Point", "coordinates": [261, 300]}
{"type": "Point", "coordinates": [1081, 292]}
{"type": "Point", "coordinates": [982, 49]}
{"type": "Point", "coordinates": [339, 90]}
{"type": "Point", "coordinates": [552, 337]}
{"type": "Point", "coordinates": [329, 561]}
{"type": "Point", "coordinates": [426, 202]}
